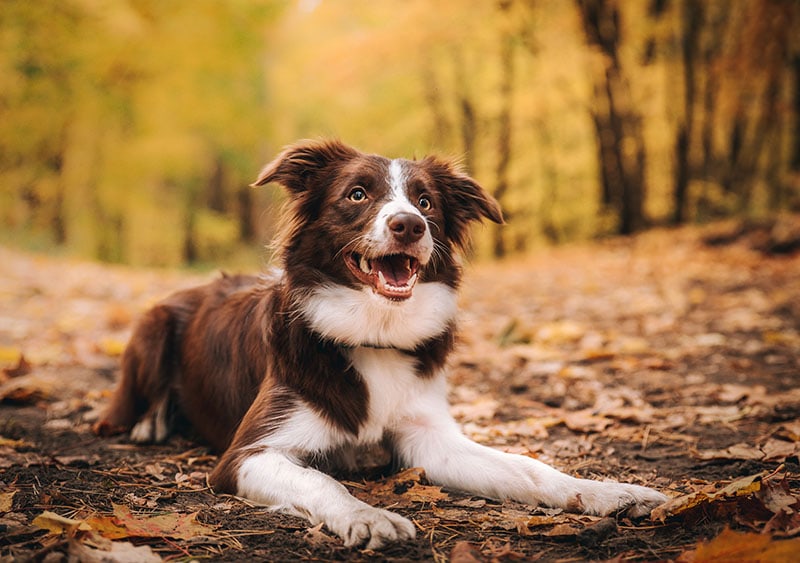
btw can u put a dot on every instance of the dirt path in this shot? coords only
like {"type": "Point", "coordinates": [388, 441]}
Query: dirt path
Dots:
{"type": "Point", "coordinates": [657, 360]}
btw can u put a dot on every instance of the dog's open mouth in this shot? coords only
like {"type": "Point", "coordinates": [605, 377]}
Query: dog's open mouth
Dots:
{"type": "Point", "coordinates": [393, 276]}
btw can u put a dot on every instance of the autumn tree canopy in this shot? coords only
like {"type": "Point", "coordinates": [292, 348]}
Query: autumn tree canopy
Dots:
{"type": "Point", "coordinates": [129, 131]}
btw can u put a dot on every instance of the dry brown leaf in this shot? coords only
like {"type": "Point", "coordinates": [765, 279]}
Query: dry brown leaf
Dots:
{"type": "Point", "coordinates": [465, 552]}
{"type": "Point", "coordinates": [735, 546]}
{"type": "Point", "coordinates": [22, 391]}
{"type": "Point", "coordinates": [736, 451]}
{"type": "Point", "coordinates": [451, 514]}
{"type": "Point", "coordinates": [789, 430]}
{"type": "Point", "coordinates": [564, 530]}
{"type": "Point", "coordinates": [586, 421]}
{"type": "Point", "coordinates": [316, 537]}
{"type": "Point", "coordinates": [482, 409]}
{"type": "Point", "coordinates": [124, 524]}
{"type": "Point", "coordinates": [114, 552]}
{"type": "Point", "coordinates": [23, 367]}
{"type": "Point", "coordinates": [778, 450]}
{"type": "Point", "coordinates": [425, 493]}
{"type": "Point", "coordinates": [676, 506]}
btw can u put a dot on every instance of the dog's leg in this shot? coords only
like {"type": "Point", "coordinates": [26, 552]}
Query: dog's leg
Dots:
{"type": "Point", "coordinates": [153, 427]}
{"type": "Point", "coordinates": [146, 377]}
{"type": "Point", "coordinates": [273, 478]}
{"type": "Point", "coordinates": [432, 439]}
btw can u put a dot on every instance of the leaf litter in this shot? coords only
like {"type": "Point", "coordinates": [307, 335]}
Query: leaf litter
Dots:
{"type": "Point", "coordinates": [654, 360]}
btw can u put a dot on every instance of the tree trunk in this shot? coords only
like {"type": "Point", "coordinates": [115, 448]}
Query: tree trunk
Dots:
{"type": "Point", "coordinates": [216, 199]}
{"type": "Point", "coordinates": [618, 126]}
{"type": "Point", "coordinates": [504, 131]}
{"type": "Point", "coordinates": [794, 162]}
{"type": "Point", "coordinates": [247, 228]}
{"type": "Point", "coordinates": [440, 131]}
{"type": "Point", "coordinates": [466, 107]}
{"type": "Point", "coordinates": [692, 18]}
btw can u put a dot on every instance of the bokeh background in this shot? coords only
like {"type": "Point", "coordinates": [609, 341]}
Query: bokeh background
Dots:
{"type": "Point", "coordinates": [131, 129]}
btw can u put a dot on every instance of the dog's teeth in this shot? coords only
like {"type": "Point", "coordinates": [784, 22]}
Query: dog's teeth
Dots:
{"type": "Point", "coordinates": [412, 280]}
{"type": "Point", "coordinates": [382, 279]}
{"type": "Point", "coordinates": [364, 265]}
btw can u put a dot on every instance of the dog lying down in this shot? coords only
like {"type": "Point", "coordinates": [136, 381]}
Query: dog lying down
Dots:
{"type": "Point", "coordinates": [343, 346]}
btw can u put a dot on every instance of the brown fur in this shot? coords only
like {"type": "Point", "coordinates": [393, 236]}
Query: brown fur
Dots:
{"type": "Point", "coordinates": [236, 350]}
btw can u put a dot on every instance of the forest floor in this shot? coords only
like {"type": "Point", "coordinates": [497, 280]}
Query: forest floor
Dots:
{"type": "Point", "coordinates": [660, 360]}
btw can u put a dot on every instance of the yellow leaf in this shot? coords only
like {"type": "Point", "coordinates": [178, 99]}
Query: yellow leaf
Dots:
{"type": "Point", "coordinates": [14, 444]}
{"type": "Point", "coordinates": [112, 346]}
{"type": "Point", "coordinates": [9, 355]}
{"type": "Point", "coordinates": [56, 524]}
{"type": "Point", "coordinates": [7, 501]}
{"type": "Point", "coordinates": [107, 527]}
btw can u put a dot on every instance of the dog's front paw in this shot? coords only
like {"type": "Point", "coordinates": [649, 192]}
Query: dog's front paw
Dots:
{"type": "Point", "coordinates": [602, 499]}
{"type": "Point", "coordinates": [374, 526]}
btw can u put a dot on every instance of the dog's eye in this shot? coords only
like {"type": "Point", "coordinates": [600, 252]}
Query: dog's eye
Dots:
{"type": "Point", "coordinates": [424, 203]}
{"type": "Point", "coordinates": [357, 194]}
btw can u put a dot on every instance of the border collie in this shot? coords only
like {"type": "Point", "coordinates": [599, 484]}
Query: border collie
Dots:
{"type": "Point", "coordinates": [344, 346]}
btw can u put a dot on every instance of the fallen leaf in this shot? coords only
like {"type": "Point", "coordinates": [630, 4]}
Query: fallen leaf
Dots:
{"type": "Point", "coordinates": [9, 355]}
{"type": "Point", "coordinates": [112, 347]}
{"type": "Point", "coordinates": [425, 493]}
{"type": "Point", "coordinates": [563, 531]}
{"type": "Point", "coordinates": [23, 367]}
{"type": "Point", "coordinates": [115, 552]}
{"type": "Point", "coordinates": [586, 421]}
{"type": "Point", "coordinates": [778, 450]}
{"type": "Point", "coordinates": [20, 392]}
{"type": "Point", "coordinates": [171, 525]}
{"type": "Point", "coordinates": [9, 443]}
{"type": "Point", "coordinates": [598, 532]}
{"type": "Point", "coordinates": [56, 524]}
{"type": "Point", "coordinates": [14, 524]}
{"type": "Point", "coordinates": [465, 552]}
{"type": "Point", "coordinates": [739, 488]}
{"type": "Point", "coordinates": [790, 431]}
{"type": "Point", "coordinates": [736, 451]}
{"type": "Point", "coordinates": [316, 537]}
{"type": "Point", "coordinates": [7, 501]}
{"type": "Point", "coordinates": [155, 470]}
{"type": "Point", "coordinates": [482, 409]}
{"type": "Point", "coordinates": [736, 546]}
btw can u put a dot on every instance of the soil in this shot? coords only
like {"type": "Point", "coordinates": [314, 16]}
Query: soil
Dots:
{"type": "Point", "coordinates": [658, 360]}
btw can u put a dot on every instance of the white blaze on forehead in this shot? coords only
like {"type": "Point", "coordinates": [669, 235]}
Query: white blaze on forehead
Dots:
{"type": "Point", "coordinates": [397, 181]}
{"type": "Point", "coordinates": [398, 202]}
{"type": "Point", "coordinates": [398, 191]}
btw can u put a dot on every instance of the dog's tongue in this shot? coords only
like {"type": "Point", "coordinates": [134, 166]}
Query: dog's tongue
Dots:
{"type": "Point", "coordinates": [396, 269]}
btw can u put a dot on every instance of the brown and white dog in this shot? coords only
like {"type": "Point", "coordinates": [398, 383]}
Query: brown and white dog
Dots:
{"type": "Point", "coordinates": [344, 346]}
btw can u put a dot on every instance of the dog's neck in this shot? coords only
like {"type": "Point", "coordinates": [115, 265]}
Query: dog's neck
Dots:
{"type": "Point", "coordinates": [356, 318]}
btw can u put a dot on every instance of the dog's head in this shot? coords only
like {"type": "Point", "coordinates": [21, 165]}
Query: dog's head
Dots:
{"type": "Point", "coordinates": [358, 219]}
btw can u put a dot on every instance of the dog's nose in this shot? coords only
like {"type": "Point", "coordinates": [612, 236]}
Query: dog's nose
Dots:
{"type": "Point", "coordinates": [407, 227]}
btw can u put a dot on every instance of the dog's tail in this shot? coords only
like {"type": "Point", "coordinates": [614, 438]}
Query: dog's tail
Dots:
{"type": "Point", "coordinates": [148, 366]}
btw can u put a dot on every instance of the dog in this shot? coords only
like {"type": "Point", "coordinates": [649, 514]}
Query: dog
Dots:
{"type": "Point", "coordinates": [344, 345]}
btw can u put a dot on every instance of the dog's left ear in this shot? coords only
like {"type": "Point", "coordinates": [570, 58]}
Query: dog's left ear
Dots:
{"type": "Point", "coordinates": [466, 200]}
{"type": "Point", "coordinates": [303, 161]}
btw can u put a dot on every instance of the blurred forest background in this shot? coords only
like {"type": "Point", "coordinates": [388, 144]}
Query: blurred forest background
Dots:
{"type": "Point", "coordinates": [130, 129]}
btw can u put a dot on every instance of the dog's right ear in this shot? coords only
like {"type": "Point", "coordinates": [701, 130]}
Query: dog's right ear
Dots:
{"type": "Point", "coordinates": [303, 161]}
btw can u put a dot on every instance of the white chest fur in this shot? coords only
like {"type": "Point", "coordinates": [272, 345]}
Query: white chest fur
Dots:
{"type": "Point", "coordinates": [395, 392]}
{"type": "Point", "coordinates": [359, 316]}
